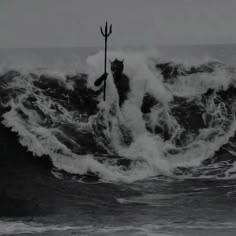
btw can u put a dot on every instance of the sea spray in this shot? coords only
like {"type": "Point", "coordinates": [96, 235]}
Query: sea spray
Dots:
{"type": "Point", "coordinates": [45, 106]}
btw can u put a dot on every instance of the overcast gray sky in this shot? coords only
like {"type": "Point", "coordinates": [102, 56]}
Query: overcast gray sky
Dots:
{"type": "Point", "coordinates": [72, 23]}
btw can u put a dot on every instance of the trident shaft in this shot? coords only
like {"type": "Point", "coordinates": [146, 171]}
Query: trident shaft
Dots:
{"type": "Point", "coordinates": [105, 34]}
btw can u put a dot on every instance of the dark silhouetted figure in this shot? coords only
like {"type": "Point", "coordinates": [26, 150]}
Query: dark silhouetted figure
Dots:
{"type": "Point", "coordinates": [120, 79]}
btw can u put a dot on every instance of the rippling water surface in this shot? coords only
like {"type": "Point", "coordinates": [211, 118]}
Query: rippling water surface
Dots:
{"type": "Point", "coordinates": [193, 202]}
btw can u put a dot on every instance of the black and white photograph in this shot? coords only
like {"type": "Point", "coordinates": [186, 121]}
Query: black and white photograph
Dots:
{"type": "Point", "coordinates": [118, 117]}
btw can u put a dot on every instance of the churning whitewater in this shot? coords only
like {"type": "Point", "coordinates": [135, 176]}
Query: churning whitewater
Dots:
{"type": "Point", "coordinates": [188, 131]}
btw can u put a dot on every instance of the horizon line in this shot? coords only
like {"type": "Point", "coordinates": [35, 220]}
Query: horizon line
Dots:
{"type": "Point", "coordinates": [120, 46]}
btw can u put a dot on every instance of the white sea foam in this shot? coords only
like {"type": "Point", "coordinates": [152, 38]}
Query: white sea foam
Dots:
{"type": "Point", "coordinates": [11, 227]}
{"type": "Point", "coordinates": [8, 228]}
{"type": "Point", "coordinates": [152, 155]}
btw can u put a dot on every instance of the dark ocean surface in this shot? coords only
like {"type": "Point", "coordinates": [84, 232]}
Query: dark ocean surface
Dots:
{"type": "Point", "coordinates": [170, 171]}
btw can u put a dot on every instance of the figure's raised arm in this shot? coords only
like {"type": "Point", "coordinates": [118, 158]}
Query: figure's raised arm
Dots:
{"type": "Point", "coordinates": [99, 81]}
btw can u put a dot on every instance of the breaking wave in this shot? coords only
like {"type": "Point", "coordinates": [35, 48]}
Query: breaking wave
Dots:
{"type": "Point", "coordinates": [179, 119]}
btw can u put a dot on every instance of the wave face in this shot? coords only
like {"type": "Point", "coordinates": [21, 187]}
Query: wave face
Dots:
{"type": "Point", "coordinates": [179, 119]}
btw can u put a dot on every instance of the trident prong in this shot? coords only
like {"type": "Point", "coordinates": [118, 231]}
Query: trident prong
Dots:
{"type": "Point", "coordinates": [105, 34]}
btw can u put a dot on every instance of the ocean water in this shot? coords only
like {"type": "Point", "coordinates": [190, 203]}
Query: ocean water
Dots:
{"type": "Point", "coordinates": [180, 175]}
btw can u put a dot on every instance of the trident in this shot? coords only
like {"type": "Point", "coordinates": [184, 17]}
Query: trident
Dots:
{"type": "Point", "coordinates": [105, 34]}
